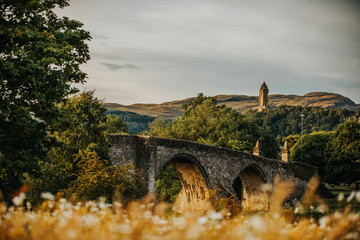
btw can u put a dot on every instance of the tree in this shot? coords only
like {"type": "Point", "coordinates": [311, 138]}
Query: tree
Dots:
{"type": "Point", "coordinates": [114, 124]}
{"type": "Point", "coordinates": [315, 150]}
{"type": "Point", "coordinates": [82, 125]}
{"type": "Point", "coordinates": [206, 122]}
{"type": "Point", "coordinates": [344, 163]}
{"type": "Point", "coordinates": [98, 178]}
{"type": "Point", "coordinates": [168, 185]}
{"type": "Point", "coordinates": [292, 140]}
{"type": "Point", "coordinates": [79, 164]}
{"type": "Point", "coordinates": [40, 57]}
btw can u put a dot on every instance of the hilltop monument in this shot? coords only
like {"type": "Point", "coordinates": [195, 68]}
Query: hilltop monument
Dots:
{"type": "Point", "coordinates": [263, 98]}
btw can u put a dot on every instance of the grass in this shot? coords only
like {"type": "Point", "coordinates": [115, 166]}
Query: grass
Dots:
{"type": "Point", "coordinates": [146, 219]}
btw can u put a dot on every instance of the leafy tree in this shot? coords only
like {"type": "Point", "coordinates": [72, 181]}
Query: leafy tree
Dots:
{"type": "Point", "coordinates": [82, 124]}
{"type": "Point", "coordinates": [114, 124]}
{"type": "Point", "coordinates": [344, 164]}
{"type": "Point", "coordinates": [79, 164]}
{"type": "Point", "coordinates": [168, 185]}
{"type": "Point", "coordinates": [97, 177]}
{"type": "Point", "coordinates": [292, 140]}
{"type": "Point", "coordinates": [206, 122]}
{"type": "Point", "coordinates": [40, 57]}
{"type": "Point", "coordinates": [315, 149]}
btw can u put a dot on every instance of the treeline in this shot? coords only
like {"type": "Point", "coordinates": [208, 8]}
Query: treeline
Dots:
{"type": "Point", "coordinates": [286, 120]}
{"type": "Point", "coordinates": [136, 123]}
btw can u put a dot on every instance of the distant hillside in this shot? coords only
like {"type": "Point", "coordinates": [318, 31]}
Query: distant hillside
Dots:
{"type": "Point", "coordinates": [242, 103]}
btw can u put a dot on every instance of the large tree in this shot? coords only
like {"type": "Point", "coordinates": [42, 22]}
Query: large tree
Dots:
{"type": "Point", "coordinates": [314, 150]}
{"type": "Point", "coordinates": [344, 163]}
{"type": "Point", "coordinates": [40, 57]}
{"type": "Point", "coordinates": [206, 122]}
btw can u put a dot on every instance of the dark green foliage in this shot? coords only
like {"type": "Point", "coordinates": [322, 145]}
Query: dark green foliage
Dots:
{"type": "Point", "coordinates": [131, 116]}
{"type": "Point", "coordinates": [168, 185]}
{"type": "Point", "coordinates": [40, 57]}
{"type": "Point", "coordinates": [344, 163]}
{"type": "Point", "coordinates": [336, 154]}
{"type": "Point", "coordinates": [315, 148]}
{"type": "Point", "coordinates": [114, 124]}
{"type": "Point", "coordinates": [205, 122]}
{"type": "Point", "coordinates": [136, 123]}
{"type": "Point", "coordinates": [79, 164]}
{"type": "Point", "coordinates": [285, 120]}
{"type": "Point", "coordinates": [82, 125]}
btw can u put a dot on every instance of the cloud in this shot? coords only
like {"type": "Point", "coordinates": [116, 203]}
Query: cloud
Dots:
{"type": "Point", "coordinates": [115, 67]}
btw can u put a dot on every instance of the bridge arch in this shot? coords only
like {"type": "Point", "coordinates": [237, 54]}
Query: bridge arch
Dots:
{"type": "Point", "coordinates": [195, 182]}
{"type": "Point", "coordinates": [248, 184]}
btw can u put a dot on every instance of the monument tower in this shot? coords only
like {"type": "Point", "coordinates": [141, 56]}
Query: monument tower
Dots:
{"type": "Point", "coordinates": [263, 98]}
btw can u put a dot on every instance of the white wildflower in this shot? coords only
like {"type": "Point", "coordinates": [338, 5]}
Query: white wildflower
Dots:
{"type": "Point", "coordinates": [163, 222]}
{"type": "Point", "coordinates": [72, 233]}
{"type": "Point", "coordinates": [31, 216]}
{"type": "Point", "coordinates": [122, 228]}
{"type": "Point", "coordinates": [89, 220]}
{"type": "Point", "coordinates": [90, 204]}
{"type": "Point", "coordinates": [352, 235]}
{"type": "Point", "coordinates": [266, 187]}
{"type": "Point", "coordinates": [147, 214]}
{"type": "Point", "coordinates": [340, 197]}
{"type": "Point", "coordinates": [215, 215]}
{"type": "Point", "coordinates": [150, 205]}
{"type": "Point", "coordinates": [117, 204]}
{"type": "Point", "coordinates": [18, 200]}
{"type": "Point", "coordinates": [357, 196]}
{"type": "Point", "coordinates": [250, 236]}
{"type": "Point", "coordinates": [102, 205]}
{"type": "Point", "coordinates": [276, 215]}
{"type": "Point", "coordinates": [323, 222]}
{"type": "Point", "coordinates": [257, 223]}
{"type": "Point", "coordinates": [203, 220]}
{"type": "Point", "coordinates": [193, 232]}
{"type": "Point", "coordinates": [94, 209]}
{"type": "Point", "coordinates": [51, 204]}
{"type": "Point", "coordinates": [179, 222]}
{"type": "Point", "coordinates": [321, 208]}
{"type": "Point", "coordinates": [47, 196]}
{"type": "Point", "coordinates": [351, 196]}
{"type": "Point", "coordinates": [28, 205]}
{"type": "Point", "coordinates": [337, 215]}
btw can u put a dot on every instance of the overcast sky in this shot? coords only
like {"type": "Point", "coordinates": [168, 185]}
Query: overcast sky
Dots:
{"type": "Point", "coordinates": [152, 51]}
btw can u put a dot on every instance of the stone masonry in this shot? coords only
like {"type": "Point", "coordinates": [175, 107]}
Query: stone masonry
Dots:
{"type": "Point", "coordinates": [202, 168]}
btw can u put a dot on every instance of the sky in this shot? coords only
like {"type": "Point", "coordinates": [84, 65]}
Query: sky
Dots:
{"type": "Point", "coordinates": [154, 51]}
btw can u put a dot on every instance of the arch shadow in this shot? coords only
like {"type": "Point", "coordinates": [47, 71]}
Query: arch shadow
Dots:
{"type": "Point", "coordinates": [194, 194]}
{"type": "Point", "coordinates": [247, 185]}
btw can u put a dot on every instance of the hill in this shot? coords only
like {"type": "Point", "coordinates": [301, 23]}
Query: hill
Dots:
{"type": "Point", "coordinates": [242, 103]}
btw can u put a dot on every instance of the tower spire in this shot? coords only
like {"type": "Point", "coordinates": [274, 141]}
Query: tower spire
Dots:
{"type": "Point", "coordinates": [263, 97]}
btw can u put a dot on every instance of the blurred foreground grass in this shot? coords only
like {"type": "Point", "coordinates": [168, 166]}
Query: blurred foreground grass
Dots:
{"type": "Point", "coordinates": [146, 219]}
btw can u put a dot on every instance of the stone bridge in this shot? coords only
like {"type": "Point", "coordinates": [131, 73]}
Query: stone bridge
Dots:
{"type": "Point", "coordinates": [202, 167]}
